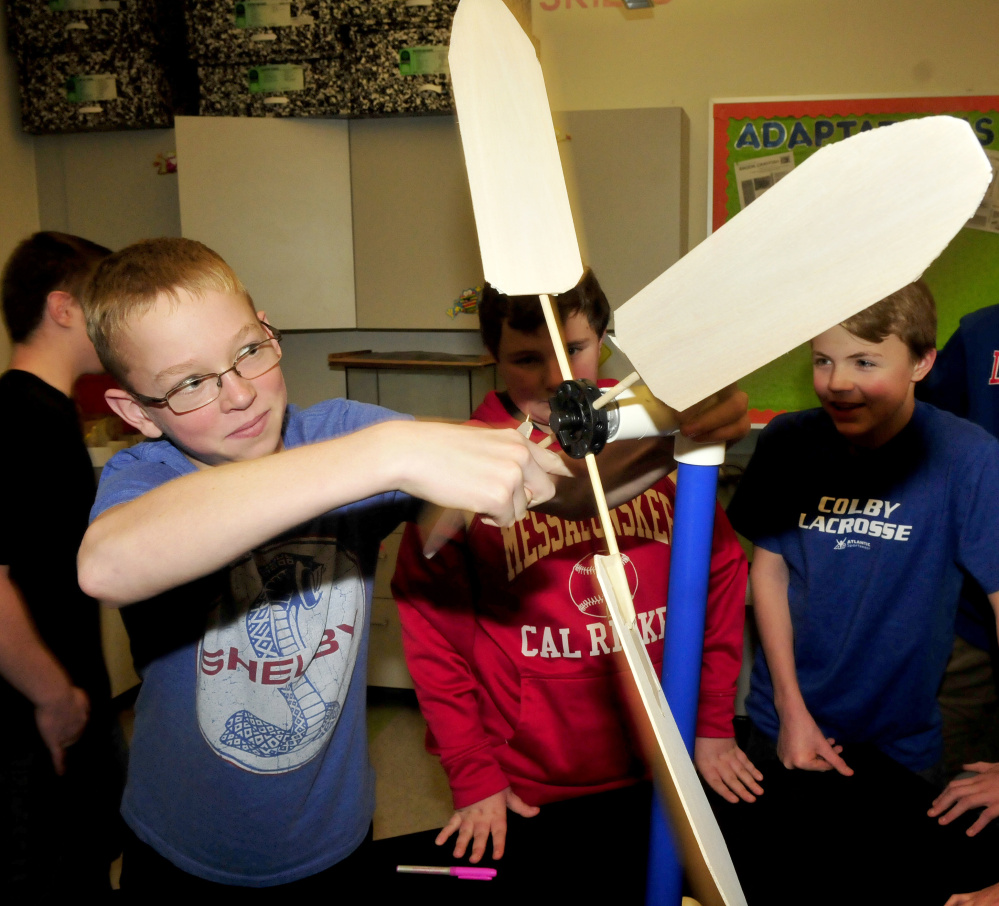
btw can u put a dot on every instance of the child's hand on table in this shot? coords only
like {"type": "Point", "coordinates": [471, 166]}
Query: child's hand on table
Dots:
{"type": "Point", "coordinates": [980, 791]}
{"type": "Point", "coordinates": [477, 821]}
{"type": "Point", "coordinates": [802, 744]}
{"type": "Point", "coordinates": [727, 769]}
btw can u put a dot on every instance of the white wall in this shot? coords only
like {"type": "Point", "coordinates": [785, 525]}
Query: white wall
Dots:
{"type": "Point", "coordinates": [685, 52]}
{"type": "Point", "coordinates": [18, 189]}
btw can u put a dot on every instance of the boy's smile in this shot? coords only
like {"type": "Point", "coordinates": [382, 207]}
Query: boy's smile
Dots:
{"type": "Point", "coordinates": [174, 341]}
{"type": "Point", "coordinates": [527, 363]}
{"type": "Point", "coordinates": [867, 388]}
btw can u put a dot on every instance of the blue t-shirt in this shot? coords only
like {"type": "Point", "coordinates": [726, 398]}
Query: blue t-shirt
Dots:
{"type": "Point", "coordinates": [875, 542]}
{"type": "Point", "coordinates": [965, 381]}
{"type": "Point", "coordinates": [249, 760]}
{"type": "Point", "coordinates": [965, 378]}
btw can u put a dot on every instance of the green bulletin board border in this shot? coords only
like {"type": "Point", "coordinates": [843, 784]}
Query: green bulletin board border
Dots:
{"type": "Point", "coordinates": [964, 278]}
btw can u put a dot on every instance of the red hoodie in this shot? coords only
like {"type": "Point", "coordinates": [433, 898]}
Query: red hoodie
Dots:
{"type": "Point", "coordinates": [509, 644]}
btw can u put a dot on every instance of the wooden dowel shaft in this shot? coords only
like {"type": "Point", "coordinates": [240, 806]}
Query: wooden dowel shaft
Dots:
{"type": "Point", "coordinates": [558, 339]}
{"type": "Point", "coordinates": [613, 392]}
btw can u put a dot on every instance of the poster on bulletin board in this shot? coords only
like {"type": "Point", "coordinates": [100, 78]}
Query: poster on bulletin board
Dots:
{"type": "Point", "coordinates": [756, 142]}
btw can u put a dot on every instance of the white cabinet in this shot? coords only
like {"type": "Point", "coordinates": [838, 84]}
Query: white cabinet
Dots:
{"type": "Point", "coordinates": [272, 197]}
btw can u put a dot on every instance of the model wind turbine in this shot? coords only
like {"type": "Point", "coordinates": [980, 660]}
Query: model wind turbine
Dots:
{"type": "Point", "coordinates": [857, 221]}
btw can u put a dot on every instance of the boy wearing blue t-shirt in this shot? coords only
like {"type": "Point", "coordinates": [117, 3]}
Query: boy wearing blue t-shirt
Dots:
{"type": "Point", "coordinates": [243, 538]}
{"type": "Point", "coordinates": [863, 514]}
{"type": "Point", "coordinates": [965, 381]}
{"type": "Point", "coordinates": [248, 529]}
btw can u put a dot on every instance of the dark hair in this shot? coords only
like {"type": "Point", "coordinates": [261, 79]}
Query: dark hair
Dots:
{"type": "Point", "coordinates": [41, 264]}
{"type": "Point", "coordinates": [524, 312]}
{"type": "Point", "coordinates": [909, 313]}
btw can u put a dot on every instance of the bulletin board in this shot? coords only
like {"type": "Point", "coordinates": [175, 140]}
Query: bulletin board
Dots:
{"type": "Point", "coordinates": [755, 142]}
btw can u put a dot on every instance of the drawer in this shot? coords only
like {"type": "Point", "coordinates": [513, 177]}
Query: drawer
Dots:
{"type": "Point", "coordinates": [95, 92]}
{"type": "Point", "coordinates": [400, 71]}
{"type": "Point", "coordinates": [315, 88]}
{"type": "Point", "coordinates": [254, 31]}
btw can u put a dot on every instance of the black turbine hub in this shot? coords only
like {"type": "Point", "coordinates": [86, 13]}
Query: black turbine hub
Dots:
{"type": "Point", "coordinates": [579, 427]}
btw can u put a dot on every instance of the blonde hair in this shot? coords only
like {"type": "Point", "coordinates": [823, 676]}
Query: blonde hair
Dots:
{"type": "Point", "coordinates": [909, 313]}
{"type": "Point", "coordinates": [127, 284]}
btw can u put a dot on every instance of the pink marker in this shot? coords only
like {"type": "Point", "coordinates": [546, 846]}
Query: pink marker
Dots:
{"type": "Point", "coordinates": [466, 872]}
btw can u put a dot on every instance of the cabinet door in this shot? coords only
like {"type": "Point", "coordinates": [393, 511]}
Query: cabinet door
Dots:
{"type": "Point", "coordinates": [626, 171]}
{"type": "Point", "coordinates": [416, 246]}
{"type": "Point", "coordinates": [272, 197]}
{"type": "Point", "coordinates": [415, 239]}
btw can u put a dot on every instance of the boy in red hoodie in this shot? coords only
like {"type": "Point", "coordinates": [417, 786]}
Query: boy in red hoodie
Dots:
{"type": "Point", "coordinates": [506, 635]}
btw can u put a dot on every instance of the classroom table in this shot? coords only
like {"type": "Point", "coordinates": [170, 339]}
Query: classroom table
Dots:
{"type": "Point", "coordinates": [811, 839]}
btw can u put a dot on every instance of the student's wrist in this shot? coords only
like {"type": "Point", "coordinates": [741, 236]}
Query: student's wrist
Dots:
{"type": "Point", "coordinates": [54, 690]}
{"type": "Point", "coordinates": [379, 447]}
{"type": "Point", "coordinates": [393, 451]}
{"type": "Point", "coordinates": [789, 705]}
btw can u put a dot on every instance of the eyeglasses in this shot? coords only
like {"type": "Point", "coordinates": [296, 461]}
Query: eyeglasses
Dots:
{"type": "Point", "coordinates": [201, 389]}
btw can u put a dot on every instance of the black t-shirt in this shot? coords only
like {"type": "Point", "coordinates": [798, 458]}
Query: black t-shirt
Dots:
{"type": "Point", "coordinates": [48, 489]}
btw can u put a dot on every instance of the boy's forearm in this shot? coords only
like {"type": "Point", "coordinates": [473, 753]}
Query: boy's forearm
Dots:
{"type": "Point", "coordinates": [769, 580]}
{"type": "Point", "coordinates": [25, 660]}
{"type": "Point", "coordinates": [197, 524]}
{"type": "Point", "coordinates": [723, 632]}
{"type": "Point", "coordinates": [627, 468]}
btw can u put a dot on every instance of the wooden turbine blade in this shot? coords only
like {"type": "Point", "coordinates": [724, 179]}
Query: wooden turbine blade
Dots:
{"type": "Point", "coordinates": [526, 236]}
{"type": "Point", "coordinates": [855, 222]}
{"type": "Point", "coordinates": [706, 859]}
{"type": "Point", "coordinates": [528, 246]}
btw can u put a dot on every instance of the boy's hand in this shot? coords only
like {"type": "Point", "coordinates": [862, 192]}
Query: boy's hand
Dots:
{"type": "Point", "coordinates": [497, 473]}
{"type": "Point", "coordinates": [980, 791]}
{"type": "Point", "coordinates": [61, 722]}
{"type": "Point", "coordinates": [987, 897]}
{"type": "Point", "coordinates": [721, 418]}
{"type": "Point", "coordinates": [477, 821]}
{"type": "Point", "coordinates": [727, 769]}
{"type": "Point", "coordinates": [801, 744]}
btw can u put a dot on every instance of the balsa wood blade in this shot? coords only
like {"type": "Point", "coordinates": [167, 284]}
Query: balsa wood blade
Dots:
{"type": "Point", "coordinates": [706, 858]}
{"type": "Point", "coordinates": [855, 222]}
{"type": "Point", "coordinates": [526, 235]}
{"type": "Point", "coordinates": [528, 246]}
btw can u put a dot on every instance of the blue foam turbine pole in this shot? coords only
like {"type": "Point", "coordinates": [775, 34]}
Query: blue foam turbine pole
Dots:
{"type": "Point", "coordinates": [690, 565]}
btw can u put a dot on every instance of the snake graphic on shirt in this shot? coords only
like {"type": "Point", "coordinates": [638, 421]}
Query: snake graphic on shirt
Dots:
{"type": "Point", "coordinates": [277, 658]}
